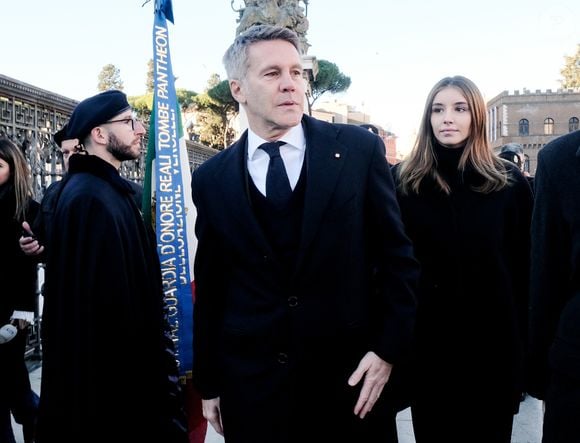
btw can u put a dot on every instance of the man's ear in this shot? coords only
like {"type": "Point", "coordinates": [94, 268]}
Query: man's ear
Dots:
{"type": "Point", "coordinates": [98, 135]}
{"type": "Point", "coordinates": [237, 91]}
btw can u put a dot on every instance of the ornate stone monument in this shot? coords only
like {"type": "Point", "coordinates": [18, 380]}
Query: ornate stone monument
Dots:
{"type": "Point", "coordinates": [285, 13]}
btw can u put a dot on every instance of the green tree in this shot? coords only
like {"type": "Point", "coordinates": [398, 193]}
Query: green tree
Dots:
{"type": "Point", "coordinates": [143, 104]}
{"type": "Point", "coordinates": [149, 82]}
{"type": "Point", "coordinates": [214, 80]}
{"type": "Point", "coordinates": [110, 78]}
{"type": "Point", "coordinates": [328, 79]}
{"type": "Point", "coordinates": [227, 108]}
{"type": "Point", "coordinates": [215, 109]}
{"type": "Point", "coordinates": [209, 125]}
{"type": "Point", "coordinates": [571, 71]}
{"type": "Point", "coordinates": [185, 98]}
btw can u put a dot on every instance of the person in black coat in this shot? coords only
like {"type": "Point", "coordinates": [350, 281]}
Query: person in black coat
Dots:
{"type": "Point", "coordinates": [468, 214]}
{"type": "Point", "coordinates": [33, 241]}
{"type": "Point", "coordinates": [514, 152]}
{"type": "Point", "coordinates": [109, 370]}
{"type": "Point", "coordinates": [555, 289]}
{"type": "Point", "coordinates": [18, 278]}
{"type": "Point", "coordinates": [304, 296]}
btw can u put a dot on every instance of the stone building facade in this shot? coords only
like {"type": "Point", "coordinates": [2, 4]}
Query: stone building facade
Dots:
{"type": "Point", "coordinates": [532, 119]}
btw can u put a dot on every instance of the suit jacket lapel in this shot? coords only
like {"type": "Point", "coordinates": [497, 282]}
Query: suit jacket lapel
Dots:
{"type": "Point", "coordinates": [232, 184]}
{"type": "Point", "coordinates": [325, 158]}
{"type": "Point", "coordinates": [324, 161]}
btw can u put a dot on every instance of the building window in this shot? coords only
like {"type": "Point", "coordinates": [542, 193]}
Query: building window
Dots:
{"type": "Point", "coordinates": [549, 126]}
{"type": "Point", "coordinates": [524, 127]}
{"type": "Point", "coordinates": [573, 124]}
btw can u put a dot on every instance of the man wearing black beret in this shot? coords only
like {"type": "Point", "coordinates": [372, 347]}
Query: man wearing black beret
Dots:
{"type": "Point", "coordinates": [34, 243]}
{"type": "Point", "coordinates": [107, 353]}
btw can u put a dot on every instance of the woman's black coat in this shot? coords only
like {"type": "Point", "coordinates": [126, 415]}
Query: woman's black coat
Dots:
{"type": "Point", "coordinates": [18, 279]}
{"type": "Point", "coordinates": [474, 252]}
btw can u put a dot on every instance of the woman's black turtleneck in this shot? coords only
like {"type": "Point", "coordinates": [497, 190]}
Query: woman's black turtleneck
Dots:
{"type": "Point", "coordinates": [7, 199]}
{"type": "Point", "coordinates": [448, 164]}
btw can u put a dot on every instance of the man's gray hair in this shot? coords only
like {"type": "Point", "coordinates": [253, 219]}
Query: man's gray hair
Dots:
{"type": "Point", "coordinates": [236, 57]}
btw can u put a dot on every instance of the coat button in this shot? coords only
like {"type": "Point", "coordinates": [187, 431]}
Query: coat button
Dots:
{"type": "Point", "coordinates": [282, 358]}
{"type": "Point", "coordinates": [292, 301]}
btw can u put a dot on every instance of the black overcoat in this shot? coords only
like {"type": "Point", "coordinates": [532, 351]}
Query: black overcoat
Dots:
{"type": "Point", "coordinates": [277, 345]}
{"type": "Point", "coordinates": [18, 279]}
{"type": "Point", "coordinates": [473, 249]}
{"type": "Point", "coordinates": [17, 272]}
{"type": "Point", "coordinates": [106, 360]}
{"type": "Point", "coordinates": [555, 274]}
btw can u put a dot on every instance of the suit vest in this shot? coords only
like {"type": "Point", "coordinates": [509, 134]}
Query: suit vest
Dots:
{"type": "Point", "coordinates": [281, 226]}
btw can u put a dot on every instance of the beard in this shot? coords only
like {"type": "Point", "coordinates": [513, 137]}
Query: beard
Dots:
{"type": "Point", "coordinates": [121, 151]}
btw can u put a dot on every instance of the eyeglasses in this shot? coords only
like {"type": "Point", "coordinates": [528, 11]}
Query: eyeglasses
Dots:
{"type": "Point", "coordinates": [133, 121]}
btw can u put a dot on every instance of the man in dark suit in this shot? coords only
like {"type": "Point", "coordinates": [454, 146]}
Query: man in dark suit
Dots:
{"type": "Point", "coordinates": [555, 289]}
{"type": "Point", "coordinates": [304, 276]}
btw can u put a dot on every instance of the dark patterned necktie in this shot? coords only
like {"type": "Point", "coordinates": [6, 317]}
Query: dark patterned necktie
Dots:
{"type": "Point", "coordinates": [278, 189]}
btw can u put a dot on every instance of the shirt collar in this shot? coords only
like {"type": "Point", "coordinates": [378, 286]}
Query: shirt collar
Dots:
{"type": "Point", "coordinates": [294, 137]}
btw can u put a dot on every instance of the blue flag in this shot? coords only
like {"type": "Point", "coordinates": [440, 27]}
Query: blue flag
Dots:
{"type": "Point", "coordinates": [169, 202]}
{"type": "Point", "coordinates": [165, 8]}
{"type": "Point", "coordinates": [171, 197]}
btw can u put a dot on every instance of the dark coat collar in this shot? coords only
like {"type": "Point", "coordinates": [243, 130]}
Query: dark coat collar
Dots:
{"type": "Point", "coordinates": [94, 165]}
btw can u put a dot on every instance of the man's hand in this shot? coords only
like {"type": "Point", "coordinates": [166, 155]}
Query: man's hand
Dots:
{"type": "Point", "coordinates": [211, 412]}
{"type": "Point", "coordinates": [28, 243]}
{"type": "Point", "coordinates": [376, 373]}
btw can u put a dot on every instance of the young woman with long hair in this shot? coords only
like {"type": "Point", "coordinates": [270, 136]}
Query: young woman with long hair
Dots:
{"type": "Point", "coordinates": [17, 292]}
{"type": "Point", "coordinates": [468, 214]}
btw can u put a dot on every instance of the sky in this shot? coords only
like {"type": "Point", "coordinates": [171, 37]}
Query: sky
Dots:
{"type": "Point", "coordinates": [393, 51]}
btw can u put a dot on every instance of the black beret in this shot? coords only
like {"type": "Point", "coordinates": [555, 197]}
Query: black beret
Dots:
{"type": "Point", "coordinates": [61, 135]}
{"type": "Point", "coordinates": [95, 111]}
